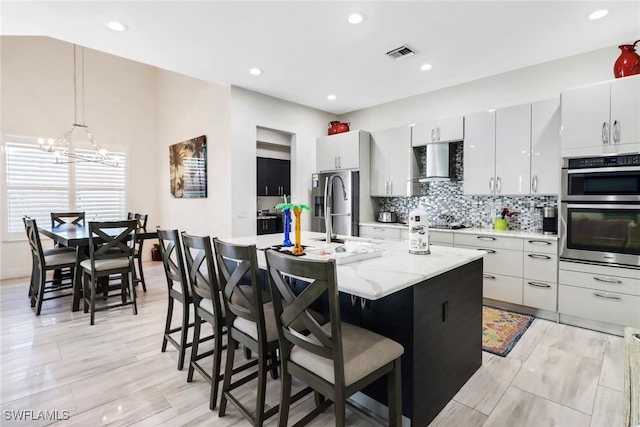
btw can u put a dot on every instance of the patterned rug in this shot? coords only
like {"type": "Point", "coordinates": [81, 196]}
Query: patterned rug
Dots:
{"type": "Point", "coordinates": [502, 329]}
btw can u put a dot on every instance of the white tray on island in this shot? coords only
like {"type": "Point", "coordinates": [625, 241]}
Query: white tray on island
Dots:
{"type": "Point", "coordinates": [353, 251]}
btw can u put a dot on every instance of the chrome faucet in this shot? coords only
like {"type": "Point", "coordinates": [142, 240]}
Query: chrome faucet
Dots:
{"type": "Point", "coordinates": [328, 192]}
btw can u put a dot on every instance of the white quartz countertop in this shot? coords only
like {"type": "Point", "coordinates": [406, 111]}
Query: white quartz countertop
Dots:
{"type": "Point", "coordinates": [374, 278]}
{"type": "Point", "coordinates": [525, 234]}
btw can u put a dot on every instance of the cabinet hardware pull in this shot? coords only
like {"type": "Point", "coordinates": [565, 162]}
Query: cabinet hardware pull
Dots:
{"type": "Point", "coordinates": [433, 134]}
{"type": "Point", "coordinates": [490, 185]}
{"type": "Point", "coordinates": [438, 133]}
{"type": "Point", "coordinates": [607, 280]}
{"type": "Point", "coordinates": [266, 190]}
{"type": "Point", "coordinates": [539, 242]}
{"type": "Point", "coordinates": [534, 183]}
{"type": "Point", "coordinates": [488, 276]}
{"type": "Point", "coordinates": [491, 251]}
{"type": "Point", "coordinates": [539, 285]}
{"type": "Point", "coordinates": [498, 185]}
{"type": "Point", "coordinates": [445, 311]}
{"type": "Point", "coordinates": [390, 187]}
{"type": "Point", "coordinates": [616, 131]}
{"type": "Point", "coordinates": [485, 238]}
{"type": "Point", "coordinates": [605, 133]}
{"type": "Point", "coordinates": [536, 256]}
{"type": "Point", "coordinates": [606, 296]}
{"type": "Point", "coordinates": [353, 300]}
{"type": "Point", "coordinates": [363, 303]}
{"type": "Point", "coordinates": [386, 187]}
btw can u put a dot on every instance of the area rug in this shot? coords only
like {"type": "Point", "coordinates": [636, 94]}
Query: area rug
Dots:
{"type": "Point", "coordinates": [502, 329]}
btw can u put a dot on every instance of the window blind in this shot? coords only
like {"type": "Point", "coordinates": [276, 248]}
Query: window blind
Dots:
{"type": "Point", "coordinates": [36, 186]}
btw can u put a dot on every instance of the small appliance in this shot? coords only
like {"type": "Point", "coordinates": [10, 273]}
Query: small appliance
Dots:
{"type": "Point", "coordinates": [418, 232]}
{"type": "Point", "coordinates": [384, 216]}
{"type": "Point", "coordinates": [549, 220]}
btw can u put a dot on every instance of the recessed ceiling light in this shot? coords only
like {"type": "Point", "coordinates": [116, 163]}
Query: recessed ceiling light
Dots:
{"type": "Point", "coordinates": [116, 26]}
{"type": "Point", "coordinates": [255, 71]}
{"type": "Point", "coordinates": [426, 67]}
{"type": "Point", "coordinates": [331, 97]}
{"type": "Point", "coordinates": [598, 14]}
{"type": "Point", "coordinates": [355, 18]}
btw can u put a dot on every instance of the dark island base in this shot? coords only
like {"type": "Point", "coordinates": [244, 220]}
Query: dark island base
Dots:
{"type": "Point", "coordinates": [439, 323]}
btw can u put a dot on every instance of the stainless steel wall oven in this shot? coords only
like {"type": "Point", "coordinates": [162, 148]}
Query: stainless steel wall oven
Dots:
{"type": "Point", "coordinates": [600, 210]}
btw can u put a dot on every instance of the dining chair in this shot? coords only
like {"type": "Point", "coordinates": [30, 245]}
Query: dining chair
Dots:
{"type": "Point", "coordinates": [209, 308]}
{"type": "Point", "coordinates": [178, 290]}
{"type": "Point", "coordinates": [336, 359]}
{"type": "Point", "coordinates": [250, 322]}
{"type": "Point", "coordinates": [141, 220]}
{"type": "Point", "coordinates": [73, 218]}
{"type": "Point", "coordinates": [111, 248]}
{"type": "Point", "coordinates": [48, 260]}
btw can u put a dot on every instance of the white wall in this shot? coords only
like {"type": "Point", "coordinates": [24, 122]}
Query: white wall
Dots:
{"type": "Point", "coordinates": [120, 98]}
{"type": "Point", "coordinates": [188, 108]}
{"type": "Point", "coordinates": [530, 84]}
{"type": "Point", "coordinates": [250, 110]}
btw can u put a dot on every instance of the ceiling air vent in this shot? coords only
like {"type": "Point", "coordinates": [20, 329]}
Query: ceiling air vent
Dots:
{"type": "Point", "coordinates": [400, 52]}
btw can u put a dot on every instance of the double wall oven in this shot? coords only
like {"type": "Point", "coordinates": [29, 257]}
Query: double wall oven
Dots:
{"type": "Point", "coordinates": [600, 210]}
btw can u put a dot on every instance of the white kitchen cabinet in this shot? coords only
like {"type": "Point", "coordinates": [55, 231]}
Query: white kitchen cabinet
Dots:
{"type": "Point", "coordinates": [503, 264]}
{"type": "Point", "coordinates": [439, 238]}
{"type": "Point", "coordinates": [479, 153]}
{"type": "Point", "coordinates": [450, 129]}
{"type": "Point", "coordinates": [600, 293]}
{"type": "Point", "coordinates": [341, 151]}
{"type": "Point", "coordinates": [545, 147]}
{"type": "Point", "coordinates": [540, 285]}
{"type": "Point", "coordinates": [392, 163]}
{"type": "Point", "coordinates": [513, 144]}
{"type": "Point", "coordinates": [380, 233]}
{"type": "Point", "coordinates": [601, 118]}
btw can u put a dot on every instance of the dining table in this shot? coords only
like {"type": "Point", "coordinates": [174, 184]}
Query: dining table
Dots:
{"type": "Point", "coordinates": [77, 236]}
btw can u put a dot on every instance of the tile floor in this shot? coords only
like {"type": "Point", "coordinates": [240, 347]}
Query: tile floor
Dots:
{"type": "Point", "coordinates": [113, 373]}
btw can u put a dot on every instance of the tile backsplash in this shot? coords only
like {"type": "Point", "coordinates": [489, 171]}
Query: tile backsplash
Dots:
{"type": "Point", "coordinates": [474, 211]}
{"type": "Point", "coordinates": [446, 197]}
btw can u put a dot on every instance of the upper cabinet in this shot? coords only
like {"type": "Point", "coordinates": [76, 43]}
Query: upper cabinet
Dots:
{"type": "Point", "coordinates": [443, 130]}
{"type": "Point", "coordinates": [545, 147]}
{"type": "Point", "coordinates": [513, 150]}
{"type": "Point", "coordinates": [601, 118]}
{"type": "Point", "coordinates": [342, 151]}
{"type": "Point", "coordinates": [513, 145]}
{"type": "Point", "coordinates": [273, 177]}
{"type": "Point", "coordinates": [392, 163]}
{"type": "Point", "coordinates": [479, 153]}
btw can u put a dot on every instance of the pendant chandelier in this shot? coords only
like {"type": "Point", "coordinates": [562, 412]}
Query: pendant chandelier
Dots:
{"type": "Point", "coordinates": [79, 132]}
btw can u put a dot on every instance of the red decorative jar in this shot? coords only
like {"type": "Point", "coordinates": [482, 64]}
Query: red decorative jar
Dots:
{"type": "Point", "coordinates": [628, 63]}
{"type": "Point", "coordinates": [338, 127]}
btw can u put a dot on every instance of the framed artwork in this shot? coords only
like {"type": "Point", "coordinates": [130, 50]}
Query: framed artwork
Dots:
{"type": "Point", "coordinates": [188, 167]}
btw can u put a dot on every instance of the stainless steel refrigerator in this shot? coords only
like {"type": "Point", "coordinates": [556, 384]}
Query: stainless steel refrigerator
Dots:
{"type": "Point", "coordinates": [344, 203]}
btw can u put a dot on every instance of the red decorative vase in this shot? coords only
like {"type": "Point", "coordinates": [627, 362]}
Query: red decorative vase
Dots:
{"type": "Point", "coordinates": [338, 127]}
{"type": "Point", "coordinates": [628, 63]}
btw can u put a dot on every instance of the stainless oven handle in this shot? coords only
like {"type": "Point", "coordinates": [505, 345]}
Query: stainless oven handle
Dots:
{"type": "Point", "coordinates": [630, 206]}
{"type": "Point", "coordinates": [599, 295]}
{"type": "Point", "coordinates": [607, 280]}
{"type": "Point", "coordinates": [602, 170]}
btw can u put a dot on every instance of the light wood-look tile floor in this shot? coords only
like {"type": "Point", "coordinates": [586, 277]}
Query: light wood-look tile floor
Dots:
{"type": "Point", "coordinates": [113, 373]}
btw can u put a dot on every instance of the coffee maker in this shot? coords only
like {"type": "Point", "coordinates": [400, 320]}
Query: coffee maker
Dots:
{"type": "Point", "coordinates": [549, 220]}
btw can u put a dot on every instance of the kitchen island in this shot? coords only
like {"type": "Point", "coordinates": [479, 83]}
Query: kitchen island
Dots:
{"type": "Point", "coordinates": [431, 304]}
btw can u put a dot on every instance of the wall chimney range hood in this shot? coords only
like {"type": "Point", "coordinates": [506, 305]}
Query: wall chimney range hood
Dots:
{"type": "Point", "coordinates": [436, 162]}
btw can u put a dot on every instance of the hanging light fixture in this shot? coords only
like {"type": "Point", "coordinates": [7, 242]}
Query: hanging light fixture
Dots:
{"type": "Point", "coordinates": [61, 147]}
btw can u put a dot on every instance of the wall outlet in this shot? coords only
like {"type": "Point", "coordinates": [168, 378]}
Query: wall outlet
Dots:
{"type": "Point", "coordinates": [242, 213]}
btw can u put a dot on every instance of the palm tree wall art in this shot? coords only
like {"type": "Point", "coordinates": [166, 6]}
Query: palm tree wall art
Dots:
{"type": "Point", "coordinates": [188, 165]}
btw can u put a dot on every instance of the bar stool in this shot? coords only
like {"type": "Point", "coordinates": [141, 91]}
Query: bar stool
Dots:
{"type": "Point", "coordinates": [336, 359]}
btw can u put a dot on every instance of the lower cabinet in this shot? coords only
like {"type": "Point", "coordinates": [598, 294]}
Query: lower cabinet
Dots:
{"type": "Point", "coordinates": [600, 293]}
{"type": "Point", "coordinates": [267, 226]}
{"type": "Point", "coordinates": [438, 323]}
